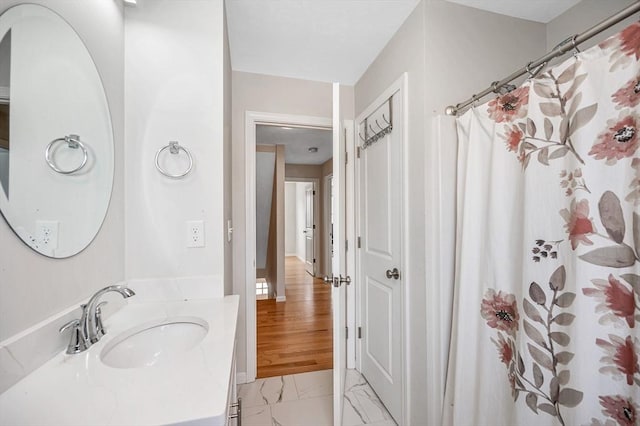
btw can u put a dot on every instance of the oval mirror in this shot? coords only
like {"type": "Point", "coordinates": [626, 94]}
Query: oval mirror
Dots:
{"type": "Point", "coordinates": [56, 140]}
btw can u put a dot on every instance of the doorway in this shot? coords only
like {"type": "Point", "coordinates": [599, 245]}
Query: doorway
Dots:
{"type": "Point", "coordinates": [294, 332]}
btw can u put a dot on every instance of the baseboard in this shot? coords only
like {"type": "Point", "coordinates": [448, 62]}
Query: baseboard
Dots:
{"type": "Point", "coordinates": [281, 298]}
{"type": "Point", "coordinates": [241, 378]}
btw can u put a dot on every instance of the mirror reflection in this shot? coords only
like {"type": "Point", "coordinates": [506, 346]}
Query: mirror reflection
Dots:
{"type": "Point", "coordinates": [56, 141]}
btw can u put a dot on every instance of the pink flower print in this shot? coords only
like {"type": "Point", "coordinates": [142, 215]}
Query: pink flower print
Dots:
{"type": "Point", "coordinates": [619, 140]}
{"type": "Point", "coordinates": [624, 47]}
{"type": "Point", "coordinates": [513, 136]}
{"type": "Point", "coordinates": [622, 357]}
{"type": "Point", "coordinates": [621, 409]}
{"type": "Point", "coordinates": [630, 41]}
{"type": "Point", "coordinates": [614, 298]}
{"type": "Point", "coordinates": [509, 106]}
{"type": "Point", "coordinates": [506, 349]}
{"type": "Point", "coordinates": [628, 95]}
{"type": "Point", "coordinates": [578, 225]}
{"type": "Point", "coordinates": [500, 311]}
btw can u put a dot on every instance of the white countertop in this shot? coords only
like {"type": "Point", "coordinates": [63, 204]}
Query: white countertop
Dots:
{"type": "Point", "coordinates": [79, 389]}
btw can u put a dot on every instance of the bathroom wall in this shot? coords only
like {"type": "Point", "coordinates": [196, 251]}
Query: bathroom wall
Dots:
{"type": "Point", "coordinates": [449, 52]}
{"type": "Point", "coordinates": [33, 287]}
{"type": "Point", "coordinates": [175, 91]}
{"type": "Point", "coordinates": [227, 225]}
{"type": "Point", "coordinates": [583, 16]}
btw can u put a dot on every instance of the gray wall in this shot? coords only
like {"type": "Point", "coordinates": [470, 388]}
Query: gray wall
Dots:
{"type": "Point", "coordinates": [449, 52]}
{"type": "Point", "coordinates": [33, 287]}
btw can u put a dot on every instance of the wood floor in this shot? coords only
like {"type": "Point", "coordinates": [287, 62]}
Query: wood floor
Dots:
{"type": "Point", "coordinates": [296, 336]}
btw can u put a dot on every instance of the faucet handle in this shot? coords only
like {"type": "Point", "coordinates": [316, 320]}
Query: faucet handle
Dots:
{"type": "Point", "coordinates": [78, 342]}
{"type": "Point", "coordinates": [100, 331]}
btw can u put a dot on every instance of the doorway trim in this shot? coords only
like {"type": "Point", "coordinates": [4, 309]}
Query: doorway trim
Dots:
{"type": "Point", "coordinates": [253, 118]}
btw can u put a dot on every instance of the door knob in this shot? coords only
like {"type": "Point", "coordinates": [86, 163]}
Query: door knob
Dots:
{"type": "Point", "coordinates": [328, 280]}
{"type": "Point", "coordinates": [393, 273]}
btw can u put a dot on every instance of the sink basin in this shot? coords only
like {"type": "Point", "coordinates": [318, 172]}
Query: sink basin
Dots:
{"type": "Point", "coordinates": [153, 342]}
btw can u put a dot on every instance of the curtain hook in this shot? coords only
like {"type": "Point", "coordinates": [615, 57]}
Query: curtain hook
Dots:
{"type": "Point", "coordinates": [575, 45]}
{"type": "Point", "coordinates": [385, 119]}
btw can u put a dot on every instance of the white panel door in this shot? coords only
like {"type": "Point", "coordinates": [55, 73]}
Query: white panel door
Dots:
{"type": "Point", "coordinates": [380, 187]}
{"type": "Point", "coordinates": [339, 265]}
{"type": "Point", "coordinates": [309, 231]}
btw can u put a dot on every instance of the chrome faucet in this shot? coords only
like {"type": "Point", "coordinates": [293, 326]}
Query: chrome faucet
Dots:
{"type": "Point", "coordinates": [88, 329]}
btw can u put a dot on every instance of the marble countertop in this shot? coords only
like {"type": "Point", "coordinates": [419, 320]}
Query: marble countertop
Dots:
{"type": "Point", "coordinates": [190, 387]}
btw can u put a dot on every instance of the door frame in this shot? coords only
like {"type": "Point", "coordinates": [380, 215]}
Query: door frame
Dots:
{"type": "Point", "coordinates": [400, 85]}
{"type": "Point", "coordinates": [253, 118]}
{"type": "Point", "coordinates": [316, 209]}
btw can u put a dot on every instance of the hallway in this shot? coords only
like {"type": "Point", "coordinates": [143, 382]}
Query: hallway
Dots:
{"type": "Point", "coordinates": [296, 336]}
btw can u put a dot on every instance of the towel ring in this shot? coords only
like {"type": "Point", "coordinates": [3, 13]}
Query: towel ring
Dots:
{"type": "Point", "coordinates": [73, 141]}
{"type": "Point", "coordinates": [174, 148]}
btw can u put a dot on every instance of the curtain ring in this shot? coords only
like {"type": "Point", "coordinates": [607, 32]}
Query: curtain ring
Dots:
{"type": "Point", "coordinates": [528, 68]}
{"type": "Point", "coordinates": [574, 44]}
{"type": "Point", "coordinates": [494, 86]}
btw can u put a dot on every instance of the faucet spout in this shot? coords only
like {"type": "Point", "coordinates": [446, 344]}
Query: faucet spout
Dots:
{"type": "Point", "coordinates": [89, 321]}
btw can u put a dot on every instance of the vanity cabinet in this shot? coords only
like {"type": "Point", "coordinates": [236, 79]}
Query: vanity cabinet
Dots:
{"type": "Point", "coordinates": [234, 407]}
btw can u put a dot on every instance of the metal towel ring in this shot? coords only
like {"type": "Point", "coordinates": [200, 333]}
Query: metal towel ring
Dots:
{"type": "Point", "coordinates": [73, 141]}
{"type": "Point", "coordinates": [174, 148]}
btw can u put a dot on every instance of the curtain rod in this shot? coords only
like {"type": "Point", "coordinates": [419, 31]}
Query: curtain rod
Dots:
{"type": "Point", "coordinates": [561, 49]}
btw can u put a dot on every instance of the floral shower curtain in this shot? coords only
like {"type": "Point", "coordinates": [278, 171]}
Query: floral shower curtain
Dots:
{"type": "Point", "coordinates": [547, 311]}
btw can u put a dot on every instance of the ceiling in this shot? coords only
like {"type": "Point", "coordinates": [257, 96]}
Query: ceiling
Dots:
{"type": "Point", "coordinates": [322, 40]}
{"type": "Point", "coordinates": [533, 10]}
{"type": "Point", "coordinates": [336, 40]}
{"type": "Point", "coordinates": [297, 142]}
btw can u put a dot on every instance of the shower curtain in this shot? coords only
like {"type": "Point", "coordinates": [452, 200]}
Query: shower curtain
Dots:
{"type": "Point", "coordinates": [548, 248]}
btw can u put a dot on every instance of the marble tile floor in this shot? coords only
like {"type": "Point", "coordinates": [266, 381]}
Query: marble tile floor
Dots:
{"type": "Point", "coordinates": [306, 399]}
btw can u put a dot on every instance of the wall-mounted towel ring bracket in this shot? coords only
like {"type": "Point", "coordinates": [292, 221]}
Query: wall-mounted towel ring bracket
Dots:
{"type": "Point", "coordinates": [73, 142]}
{"type": "Point", "coordinates": [174, 148]}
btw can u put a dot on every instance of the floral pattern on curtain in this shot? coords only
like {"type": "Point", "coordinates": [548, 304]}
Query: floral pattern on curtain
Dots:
{"type": "Point", "coordinates": [548, 268]}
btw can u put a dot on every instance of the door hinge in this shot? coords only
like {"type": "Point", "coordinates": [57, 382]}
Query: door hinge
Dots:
{"type": "Point", "coordinates": [358, 152]}
{"type": "Point", "coordinates": [359, 332]}
{"type": "Point", "coordinates": [346, 332]}
{"type": "Point", "coordinates": [359, 243]}
{"type": "Point", "coordinates": [314, 261]}
{"type": "Point", "coordinates": [314, 192]}
{"type": "Point", "coordinates": [346, 245]}
{"type": "Point", "coordinates": [346, 158]}
{"type": "Point", "coordinates": [314, 226]}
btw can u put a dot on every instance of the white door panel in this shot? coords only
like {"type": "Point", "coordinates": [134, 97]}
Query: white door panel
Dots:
{"type": "Point", "coordinates": [380, 194]}
{"type": "Point", "coordinates": [338, 293]}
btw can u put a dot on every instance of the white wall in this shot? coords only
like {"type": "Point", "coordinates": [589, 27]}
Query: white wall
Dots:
{"type": "Point", "coordinates": [227, 223]}
{"type": "Point", "coordinates": [290, 221]}
{"type": "Point", "coordinates": [174, 86]}
{"type": "Point", "coordinates": [33, 287]}
{"type": "Point", "coordinates": [449, 52]}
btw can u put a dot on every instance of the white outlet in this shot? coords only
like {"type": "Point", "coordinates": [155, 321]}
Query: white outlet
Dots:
{"type": "Point", "coordinates": [195, 233]}
{"type": "Point", "coordinates": [47, 233]}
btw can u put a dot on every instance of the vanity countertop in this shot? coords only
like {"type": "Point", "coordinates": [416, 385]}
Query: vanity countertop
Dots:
{"type": "Point", "coordinates": [81, 390]}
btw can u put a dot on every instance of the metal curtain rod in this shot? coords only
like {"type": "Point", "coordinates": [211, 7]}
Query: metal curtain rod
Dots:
{"type": "Point", "coordinates": [559, 50]}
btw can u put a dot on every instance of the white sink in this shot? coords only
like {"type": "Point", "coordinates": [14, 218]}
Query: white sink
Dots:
{"type": "Point", "coordinates": [153, 342]}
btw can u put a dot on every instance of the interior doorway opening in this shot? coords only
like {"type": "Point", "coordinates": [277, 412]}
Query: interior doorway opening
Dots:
{"type": "Point", "coordinates": [294, 327]}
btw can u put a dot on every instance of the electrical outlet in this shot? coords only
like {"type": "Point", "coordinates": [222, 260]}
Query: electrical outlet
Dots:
{"type": "Point", "coordinates": [195, 233]}
{"type": "Point", "coordinates": [47, 233]}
